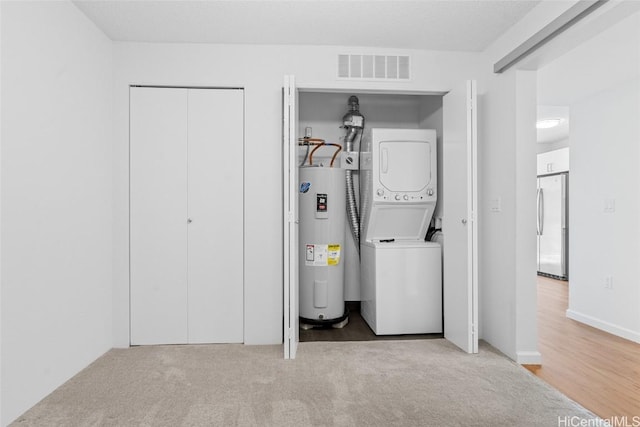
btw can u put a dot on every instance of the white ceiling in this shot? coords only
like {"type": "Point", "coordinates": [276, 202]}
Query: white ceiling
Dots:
{"type": "Point", "coordinates": [555, 134]}
{"type": "Point", "coordinates": [469, 25]}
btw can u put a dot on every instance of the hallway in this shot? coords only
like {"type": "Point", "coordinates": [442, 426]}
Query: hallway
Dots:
{"type": "Point", "coordinates": [596, 369]}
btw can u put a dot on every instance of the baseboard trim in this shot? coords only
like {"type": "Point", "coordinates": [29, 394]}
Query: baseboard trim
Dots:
{"type": "Point", "coordinates": [619, 331]}
{"type": "Point", "coordinates": [528, 358]}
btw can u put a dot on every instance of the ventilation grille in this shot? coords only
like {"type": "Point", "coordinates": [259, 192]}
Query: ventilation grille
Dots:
{"type": "Point", "coordinates": [374, 67]}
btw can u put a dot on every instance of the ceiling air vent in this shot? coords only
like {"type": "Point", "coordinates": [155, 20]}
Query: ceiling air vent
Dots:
{"type": "Point", "coordinates": [374, 67]}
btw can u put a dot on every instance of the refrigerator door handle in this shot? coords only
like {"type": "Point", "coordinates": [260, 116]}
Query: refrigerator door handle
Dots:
{"type": "Point", "coordinates": [541, 211]}
{"type": "Point", "coordinates": [538, 213]}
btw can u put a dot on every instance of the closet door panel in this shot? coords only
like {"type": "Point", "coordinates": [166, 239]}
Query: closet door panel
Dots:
{"type": "Point", "coordinates": [215, 151]}
{"type": "Point", "coordinates": [158, 215]}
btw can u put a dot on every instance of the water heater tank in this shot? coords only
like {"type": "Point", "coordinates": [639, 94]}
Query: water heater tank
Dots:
{"type": "Point", "coordinates": [321, 233]}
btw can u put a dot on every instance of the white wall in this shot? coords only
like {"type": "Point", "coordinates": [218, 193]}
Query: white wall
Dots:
{"type": "Point", "coordinates": [497, 259]}
{"type": "Point", "coordinates": [606, 58]}
{"type": "Point", "coordinates": [604, 167]}
{"type": "Point", "coordinates": [55, 197]}
{"type": "Point", "coordinates": [526, 295]}
{"type": "Point", "coordinates": [260, 70]}
{"type": "Point", "coordinates": [507, 158]}
{"type": "Point", "coordinates": [1, 299]}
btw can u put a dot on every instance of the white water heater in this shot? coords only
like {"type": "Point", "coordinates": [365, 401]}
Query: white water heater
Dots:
{"type": "Point", "coordinates": [321, 236]}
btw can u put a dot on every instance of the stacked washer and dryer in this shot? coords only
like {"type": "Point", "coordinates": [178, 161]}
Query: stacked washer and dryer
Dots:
{"type": "Point", "coordinates": [401, 273]}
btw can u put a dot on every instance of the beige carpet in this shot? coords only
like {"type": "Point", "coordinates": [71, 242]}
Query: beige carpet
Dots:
{"type": "Point", "coordinates": [384, 383]}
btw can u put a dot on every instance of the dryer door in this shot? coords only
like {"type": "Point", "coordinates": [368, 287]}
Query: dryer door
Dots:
{"type": "Point", "coordinates": [405, 165]}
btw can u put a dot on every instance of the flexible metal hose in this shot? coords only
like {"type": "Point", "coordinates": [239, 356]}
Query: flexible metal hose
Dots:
{"type": "Point", "coordinates": [354, 122]}
{"type": "Point", "coordinates": [352, 206]}
{"type": "Point", "coordinates": [352, 209]}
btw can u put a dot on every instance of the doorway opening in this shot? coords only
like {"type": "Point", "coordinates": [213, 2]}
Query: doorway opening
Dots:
{"type": "Point", "coordinates": [600, 109]}
{"type": "Point", "coordinates": [552, 195]}
{"type": "Point", "coordinates": [320, 117]}
{"type": "Point", "coordinates": [408, 114]}
{"type": "Point", "coordinates": [599, 302]}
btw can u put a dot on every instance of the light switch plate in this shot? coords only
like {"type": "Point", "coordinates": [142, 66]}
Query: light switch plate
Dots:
{"type": "Point", "coordinates": [495, 205]}
{"type": "Point", "coordinates": [609, 205]}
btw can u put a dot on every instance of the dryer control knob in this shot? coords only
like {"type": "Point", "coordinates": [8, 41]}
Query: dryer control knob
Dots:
{"type": "Point", "coordinates": [397, 197]}
{"type": "Point", "coordinates": [405, 197]}
{"type": "Point", "coordinates": [380, 192]}
{"type": "Point", "coordinates": [430, 192]}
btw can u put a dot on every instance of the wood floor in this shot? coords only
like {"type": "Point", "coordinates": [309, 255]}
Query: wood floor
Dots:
{"type": "Point", "coordinates": [596, 369]}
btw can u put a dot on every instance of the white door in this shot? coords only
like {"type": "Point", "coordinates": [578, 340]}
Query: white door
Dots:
{"type": "Point", "coordinates": [215, 216]}
{"type": "Point", "coordinates": [290, 224]}
{"type": "Point", "coordinates": [158, 215]}
{"type": "Point", "coordinates": [186, 215]}
{"type": "Point", "coordinates": [459, 225]}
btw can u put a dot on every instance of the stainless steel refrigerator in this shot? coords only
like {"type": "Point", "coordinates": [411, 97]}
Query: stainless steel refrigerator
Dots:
{"type": "Point", "coordinates": [553, 225]}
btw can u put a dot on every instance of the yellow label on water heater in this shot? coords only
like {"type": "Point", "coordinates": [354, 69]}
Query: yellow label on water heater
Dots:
{"type": "Point", "coordinates": [333, 255]}
{"type": "Point", "coordinates": [319, 255]}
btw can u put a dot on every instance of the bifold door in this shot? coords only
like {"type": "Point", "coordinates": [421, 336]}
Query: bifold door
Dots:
{"type": "Point", "coordinates": [186, 213]}
{"type": "Point", "coordinates": [460, 228]}
{"type": "Point", "coordinates": [290, 223]}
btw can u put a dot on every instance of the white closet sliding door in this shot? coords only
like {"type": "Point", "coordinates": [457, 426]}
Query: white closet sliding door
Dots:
{"type": "Point", "coordinates": [186, 215]}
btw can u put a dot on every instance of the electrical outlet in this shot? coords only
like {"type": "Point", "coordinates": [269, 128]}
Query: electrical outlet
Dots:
{"type": "Point", "coordinates": [608, 282]}
{"type": "Point", "coordinates": [308, 132]}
